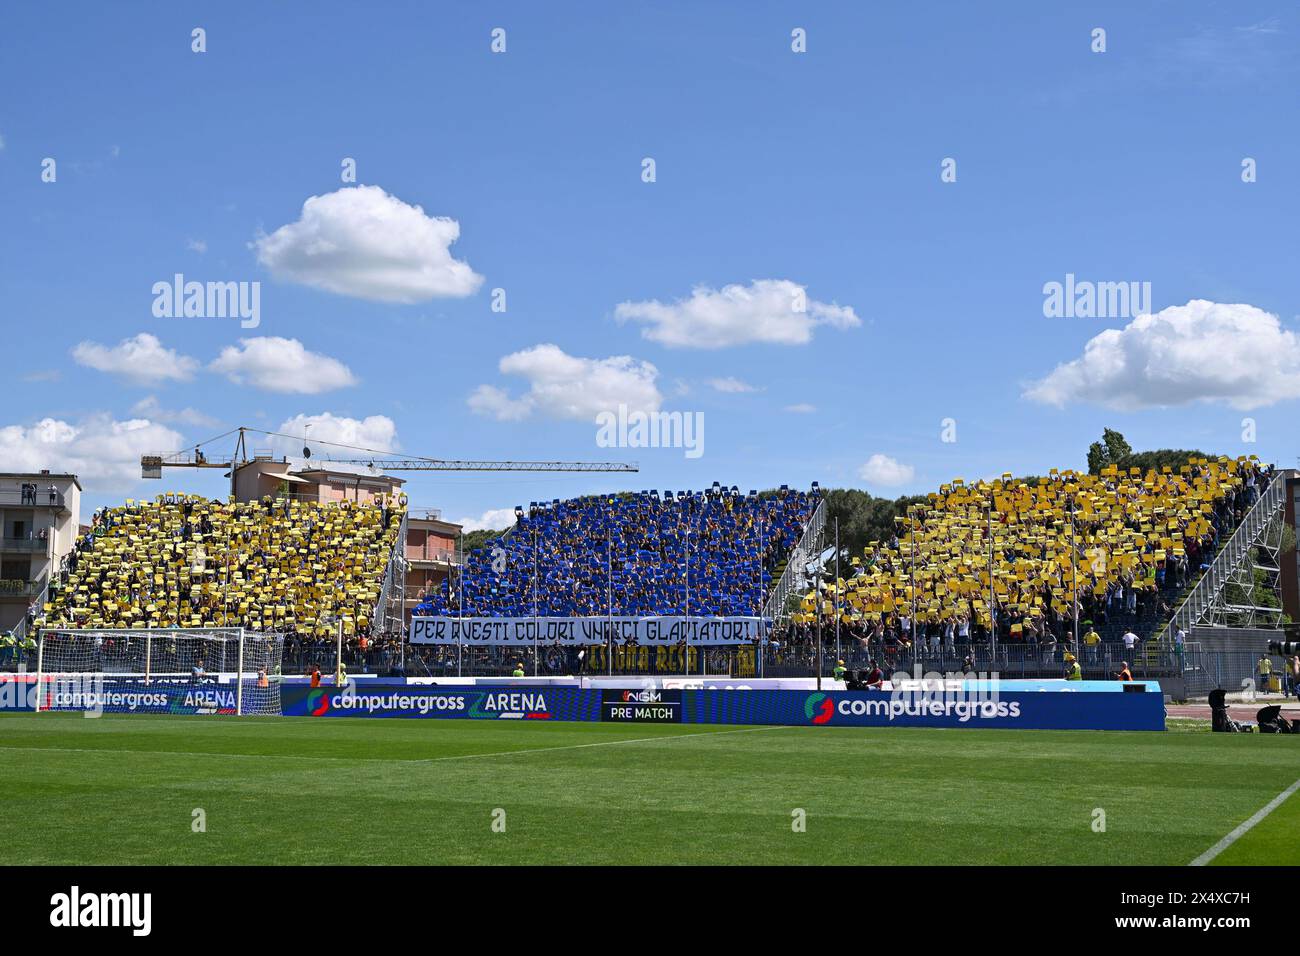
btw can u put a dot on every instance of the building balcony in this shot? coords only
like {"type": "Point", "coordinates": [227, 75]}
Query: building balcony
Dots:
{"type": "Point", "coordinates": [18, 588]}
{"type": "Point", "coordinates": [40, 498]}
{"type": "Point", "coordinates": [414, 593]}
{"type": "Point", "coordinates": [427, 555]}
{"type": "Point", "coordinates": [26, 545]}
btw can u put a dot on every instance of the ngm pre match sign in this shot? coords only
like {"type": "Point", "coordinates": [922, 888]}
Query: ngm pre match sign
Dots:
{"type": "Point", "coordinates": [647, 706]}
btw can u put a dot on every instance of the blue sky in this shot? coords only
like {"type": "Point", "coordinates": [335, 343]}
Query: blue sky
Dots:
{"type": "Point", "coordinates": [773, 170]}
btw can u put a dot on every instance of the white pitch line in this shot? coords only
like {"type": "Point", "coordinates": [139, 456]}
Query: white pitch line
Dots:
{"type": "Point", "coordinates": [489, 753]}
{"type": "Point", "coordinates": [1242, 830]}
{"type": "Point", "coordinates": [599, 743]}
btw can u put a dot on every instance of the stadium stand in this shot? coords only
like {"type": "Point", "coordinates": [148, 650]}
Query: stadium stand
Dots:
{"type": "Point", "coordinates": [735, 542]}
{"type": "Point", "coordinates": [183, 561]}
{"type": "Point", "coordinates": [1129, 541]}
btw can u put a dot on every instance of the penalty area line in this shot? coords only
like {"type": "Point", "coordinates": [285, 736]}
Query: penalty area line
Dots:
{"type": "Point", "coordinates": [1245, 828]}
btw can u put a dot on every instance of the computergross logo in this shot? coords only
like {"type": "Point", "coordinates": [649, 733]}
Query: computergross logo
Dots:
{"type": "Point", "coordinates": [818, 708]}
{"type": "Point", "coordinates": [318, 702]}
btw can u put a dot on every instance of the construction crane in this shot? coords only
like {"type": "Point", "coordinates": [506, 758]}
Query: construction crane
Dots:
{"type": "Point", "coordinates": [151, 466]}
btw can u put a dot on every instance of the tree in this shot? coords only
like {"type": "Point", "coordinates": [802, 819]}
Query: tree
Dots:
{"type": "Point", "coordinates": [478, 538]}
{"type": "Point", "coordinates": [1117, 449]}
{"type": "Point", "coordinates": [1096, 458]}
{"type": "Point", "coordinates": [1113, 449]}
{"type": "Point", "coordinates": [864, 518]}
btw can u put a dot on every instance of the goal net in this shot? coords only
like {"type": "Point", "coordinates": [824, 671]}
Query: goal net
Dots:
{"type": "Point", "coordinates": [190, 671]}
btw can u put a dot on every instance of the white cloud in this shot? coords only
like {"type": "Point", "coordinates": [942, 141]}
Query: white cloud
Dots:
{"type": "Point", "coordinates": [567, 386]}
{"type": "Point", "coordinates": [141, 360]}
{"type": "Point", "coordinates": [497, 403]}
{"type": "Point", "coordinates": [494, 519]}
{"type": "Point", "coordinates": [281, 365]}
{"type": "Point", "coordinates": [377, 432]}
{"type": "Point", "coordinates": [883, 470]}
{"type": "Point", "coordinates": [731, 385]}
{"type": "Point", "coordinates": [1198, 352]}
{"type": "Point", "coordinates": [103, 453]}
{"type": "Point", "coordinates": [801, 408]}
{"type": "Point", "coordinates": [364, 243]}
{"type": "Point", "coordinates": [775, 311]}
{"type": "Point", "coordinates": [149, 407]}
{"type": "Point", "coordinates": [196, 245]}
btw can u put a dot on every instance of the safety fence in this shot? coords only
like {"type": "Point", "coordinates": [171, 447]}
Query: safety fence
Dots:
{"type": "Point", "coordinates": [1235, 672]}
{"type": "Point", "coordinates": [1200, 670]}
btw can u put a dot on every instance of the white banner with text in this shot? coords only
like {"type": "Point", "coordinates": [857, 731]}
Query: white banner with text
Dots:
{"type": "Point", "coordinates": [584, 631]}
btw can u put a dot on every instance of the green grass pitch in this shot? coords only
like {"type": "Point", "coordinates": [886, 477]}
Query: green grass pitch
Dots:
{"type": "Point", "coordinates": [122, 789]}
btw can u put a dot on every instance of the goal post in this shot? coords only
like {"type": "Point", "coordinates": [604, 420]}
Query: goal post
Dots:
{"type": "Point", "coordinates": [152, 670]}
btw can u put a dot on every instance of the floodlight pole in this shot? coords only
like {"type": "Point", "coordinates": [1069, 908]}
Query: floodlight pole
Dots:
{"type": "Point", "coordinates": [338, 666]}
{"type": "Point", "coordinates": [817, 590]}
{"type": "Point", "coordinates": [911, 529]}
{"type": "Point", "coordinates": [609, 597]}
{"type": "Point", "coordinates": [762, 558]}
{"type": "Point", "coordinates": [535, 621]}
{"type": "Point", "coordinates": [686, 665]}
{"type": "Point", "coordinates": [1074, 568]}
{"type": "Point", "coordinates": [993, 603]}
{"type": "Point", "coordinates": [460, 603]}
{"type": "Point", "coordinates": [838, 652]}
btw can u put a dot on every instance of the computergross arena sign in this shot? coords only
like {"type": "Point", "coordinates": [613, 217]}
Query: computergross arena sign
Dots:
{"type": "Point", "coordinates": [466, 703]}
{"type": "Point", "coordinates": [1046, 710]}
{"type": "Point", "coordinates": [95, 693]}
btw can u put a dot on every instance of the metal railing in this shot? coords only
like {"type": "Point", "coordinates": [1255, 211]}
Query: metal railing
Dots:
{"type": "Point", "coordinates": [1236, 549]}
{"type": "Point", "coordinates": [425, 553]}
{"type": "Point", "coordinates": [1042, 661]}
{"type": "Point", "coordinates": [393, 587]}
{"type": "Point", "coordinates": [17, 587]}
{"type": "Point", "coordinates": [34, 545]}
{"type": "Point", "coordinates": [41, 498]}
{"type": "Point", "coordinates": [804, 549]}
{"type": "Point", "coordinates": [1233, 671]}
{"type": "Point", "coordinates": [1101, 662]}
{"type": "Point", "coordinates": [19, 630]}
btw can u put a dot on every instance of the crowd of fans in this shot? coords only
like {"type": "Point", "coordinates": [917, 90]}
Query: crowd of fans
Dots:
{"type": "Point", "coordinates": [280, 565]}
{"type": "Point", "coordinates": [709, 553]}
{"type": "Point", "coordinates": [1123, 541]}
